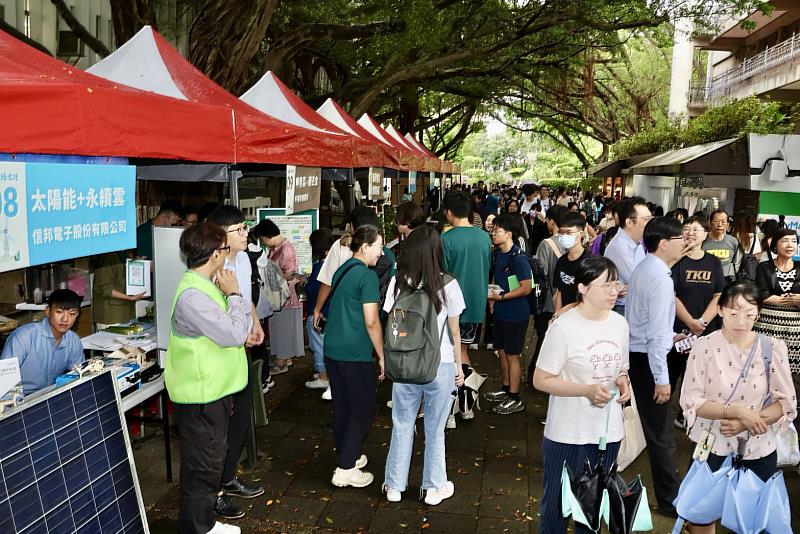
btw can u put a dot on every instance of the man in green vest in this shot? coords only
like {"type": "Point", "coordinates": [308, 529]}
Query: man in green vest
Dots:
{"type": "Point", "coordinates": [206, 365]}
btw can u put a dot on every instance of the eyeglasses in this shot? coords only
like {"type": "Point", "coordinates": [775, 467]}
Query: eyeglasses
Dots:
{"type": "Point", "coordinates": [241, 230]}
{"type": "Point", "coordinates": [645, 218]}
{"type": "Point", "coordinates": [225, 248]}
{"type": "Point", "coordinates": [610, 287]}
{"type": "Point", "coordinates": [675, 238]}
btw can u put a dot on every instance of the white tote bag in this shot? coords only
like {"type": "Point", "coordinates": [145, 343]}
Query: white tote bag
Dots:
{"type": "Point", "coordinates": [787, 446]}
{"type": "Point", "coordinates": [633, 443]}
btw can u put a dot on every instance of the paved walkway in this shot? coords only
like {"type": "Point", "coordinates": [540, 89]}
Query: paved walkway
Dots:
{"type": "Point", "coordinates": [494, 462]}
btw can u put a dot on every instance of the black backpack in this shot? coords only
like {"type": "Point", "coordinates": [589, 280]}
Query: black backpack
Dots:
{"type": "Point", "coordinates": [749, 265]}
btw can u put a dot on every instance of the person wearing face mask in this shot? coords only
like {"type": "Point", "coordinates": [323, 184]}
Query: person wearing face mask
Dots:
{"type": "Point", "coordinates": [569, 237]}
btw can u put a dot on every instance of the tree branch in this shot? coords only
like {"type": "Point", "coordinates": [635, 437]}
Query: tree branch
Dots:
{"type": "Point", "coordinates": [83, 34]}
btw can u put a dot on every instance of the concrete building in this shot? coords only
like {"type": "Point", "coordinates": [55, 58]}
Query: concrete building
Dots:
{"type": "Point", "coordinates": [39, 21]}
{"type": "Point", "coordinates": [763, 61]}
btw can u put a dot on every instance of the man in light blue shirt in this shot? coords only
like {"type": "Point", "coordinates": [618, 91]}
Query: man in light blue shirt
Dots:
{"type": "Point", "coordinates": [625, 249]}
{"type": "Point", "coordinates": [48, 348]}
{"type": "Point", "coordinates": [650, 311]}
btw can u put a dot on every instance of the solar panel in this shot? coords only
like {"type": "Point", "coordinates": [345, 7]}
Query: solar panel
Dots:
{"type": "Point", "coordinates": [66, 465]}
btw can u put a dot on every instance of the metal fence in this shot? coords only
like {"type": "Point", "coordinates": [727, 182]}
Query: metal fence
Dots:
{"type": "Point", "coordinates": [723, 85]}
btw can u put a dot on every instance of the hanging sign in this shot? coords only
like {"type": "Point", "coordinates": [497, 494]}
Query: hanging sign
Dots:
{"type": "Point", "coordinates": [376, 183]}
{"type": "Point", "coordinates": [303, 187]}
{"type": "Point", "coordinates": [57, 211]}
{"type": "Point", "coordinates": [412, 182]}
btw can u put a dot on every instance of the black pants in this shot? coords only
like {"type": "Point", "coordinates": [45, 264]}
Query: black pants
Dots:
{"type": "Point", "coordinates": [237, 430]}
{"type": "Point", "coordinates": [657, 423]}
{"type": "Point", "coordinates": [676, 363]}
{"type": "Point", "coordinates": [260, 352]}
{"type": "Point", "coordinates": [203, 441]}
{"type": "Point", "coordinates": [541, 321]}
{"type": "Point", "coordinates": [353, 391]}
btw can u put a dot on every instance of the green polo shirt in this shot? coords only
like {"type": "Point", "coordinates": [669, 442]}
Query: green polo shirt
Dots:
{"type": "Point", "coordinates": [346, 337]}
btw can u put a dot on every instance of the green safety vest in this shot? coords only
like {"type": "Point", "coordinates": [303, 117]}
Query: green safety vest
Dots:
{"type": "Point", "coordinates": [199, 371]}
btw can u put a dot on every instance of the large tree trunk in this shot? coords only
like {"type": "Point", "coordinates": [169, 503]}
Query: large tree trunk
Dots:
{"type": "Point", "coordinates": [129, 16]}
{"type": "Point", "coordinates": [225, 37]}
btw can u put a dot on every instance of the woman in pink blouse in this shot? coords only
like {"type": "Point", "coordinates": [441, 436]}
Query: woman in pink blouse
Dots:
{"type": "Point", "coordinates": [713, 368]}
{"type": "Point", "coordinates": [286, 325]}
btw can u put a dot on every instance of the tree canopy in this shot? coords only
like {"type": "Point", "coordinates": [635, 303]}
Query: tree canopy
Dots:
{"type": "Point", "coordinates": [433, 67]}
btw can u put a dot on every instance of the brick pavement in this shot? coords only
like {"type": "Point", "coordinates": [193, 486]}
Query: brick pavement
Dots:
{"type": "Point", "coordinates": [494, 462]}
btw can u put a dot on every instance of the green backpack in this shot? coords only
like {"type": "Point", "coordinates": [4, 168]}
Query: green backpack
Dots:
{"type": "Point", "coordinates": [412, 340]}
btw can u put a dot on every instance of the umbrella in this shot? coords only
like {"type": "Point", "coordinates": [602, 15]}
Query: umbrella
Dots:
{"type": "Point", "coordinates": [702, 494]}
{"type": "Point", "coordinates": [630, 511]}
{"type": "Point", "coordinates": [597, 495]}
{"type": "Point", "coordinates": [752, 505]}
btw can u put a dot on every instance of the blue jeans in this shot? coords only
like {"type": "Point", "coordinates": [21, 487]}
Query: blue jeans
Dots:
{"type": "Point", "coordinates": [405, 406]}
{"type": "Point", "coordinates": [315, 343]}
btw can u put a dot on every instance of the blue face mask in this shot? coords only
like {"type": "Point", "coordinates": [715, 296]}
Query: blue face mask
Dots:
{"type": "Point", "coordinates": [567, 241]}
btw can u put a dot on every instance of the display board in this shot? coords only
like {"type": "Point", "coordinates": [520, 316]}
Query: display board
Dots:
{"type": "Point", "coordinates": [66, 463]}
{"type": "Point", "coordinates": [168, 268]}
{"type": "Point", "coordinates": [56, 211]}
{"type": "Point", "coordinates": [297, 229]}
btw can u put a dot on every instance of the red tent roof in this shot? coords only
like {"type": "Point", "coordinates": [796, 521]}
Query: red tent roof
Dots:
{"type": "Point", "coordinates": [334, 113]}
{"type": "Point", "coordinates": [52, 108]}
{"type": "Point", "coordinates": [272, 97]}
{"type": "Point", "coordinates": [432, 163]}
{"type": "Point", "coordinates": [147, 61]}
{"type": "Point", "coordinates": [408, 158]}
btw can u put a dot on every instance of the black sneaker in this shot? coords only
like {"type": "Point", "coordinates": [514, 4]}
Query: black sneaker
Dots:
{"type": "Point", "coordinates": [237, 488]}
{"type": "Point", "coordinates": [225, 508]}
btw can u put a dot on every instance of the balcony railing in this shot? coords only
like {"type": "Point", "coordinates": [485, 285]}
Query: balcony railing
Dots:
{"type": "Point", "coordinates": [723, 85]}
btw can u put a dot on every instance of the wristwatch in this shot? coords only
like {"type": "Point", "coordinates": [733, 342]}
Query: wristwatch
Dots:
{"type": "Point", "coordinates": [229, 295]}
{"type": "Point", "coordinates": [502, 296]}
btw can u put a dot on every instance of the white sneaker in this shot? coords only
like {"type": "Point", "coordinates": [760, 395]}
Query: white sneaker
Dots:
{"type": "Point", "coordinates": [490, 346]}
{"type": "Point", "coordinates": [434, 497]}
{"type": "Point", "coordinates": [354, 477]}
{"type": "Point", "coordinates": [392, 495]}
{"type": "Point", "coordinates": [326, 395]}
{"type": "Point", "coordinates": [473, 346]}
{"type": "Point", "coordinates": [222, 528]}
{"type": "Point", "coordinates": [451, 422]}
{"type": "Point", "coordinates": [361, 463]}
{"type": "Point", "coordinates": [316, 375]}
{"type": "Point", "coordinates": [469, 414]}
{"type": "Point", "coordinates": [317, 384]}
{"type": "Point", "coordinates": [389, 404]}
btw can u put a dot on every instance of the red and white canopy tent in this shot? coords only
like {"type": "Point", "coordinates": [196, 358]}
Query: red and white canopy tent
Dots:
{"type": "Point", "coordinates": [447, 166]}
{"type": "Point", "coordinates": [333, 113]}
{"type": "Point", "coordinates": [52, 108]}
{"type": "Point", "coordinates": [431, 163]}
{"type": "Point", "coordinates": [272, 97]}
{"type": "Point", "coordinates": [148, 62]}
{"type": "Point", "coordinates": [408, 158]}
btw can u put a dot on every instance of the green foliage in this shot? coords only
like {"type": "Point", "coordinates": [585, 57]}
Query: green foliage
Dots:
{"type": "Point", "coordinates": [733, 120]}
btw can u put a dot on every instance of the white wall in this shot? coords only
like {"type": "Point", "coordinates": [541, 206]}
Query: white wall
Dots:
{"type": "Point", "coordinates": [657, 189]}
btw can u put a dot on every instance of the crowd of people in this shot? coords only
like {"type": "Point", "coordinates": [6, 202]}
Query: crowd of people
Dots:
{"type": "Point", "coordinates": [622, 300]}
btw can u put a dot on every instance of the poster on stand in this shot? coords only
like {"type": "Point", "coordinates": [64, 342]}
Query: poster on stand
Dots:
{"type": "Point", "coordinates": [57, 211]}
{"type": "Point", "coordinates": [297, 228]}
{"type": "Point", "coordinates": [303, 188]}
{"type": "Point", "coordinates": [376, 183]}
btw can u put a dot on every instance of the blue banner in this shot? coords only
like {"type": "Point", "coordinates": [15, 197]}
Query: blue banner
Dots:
{"type": "Point", "coordinates": [52, 212]}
